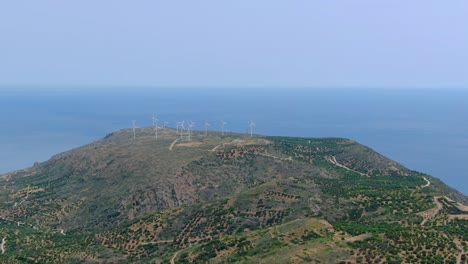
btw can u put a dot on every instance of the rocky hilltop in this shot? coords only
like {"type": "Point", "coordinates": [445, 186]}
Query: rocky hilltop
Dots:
{"type": "Point", "coordinates": [225, 199]}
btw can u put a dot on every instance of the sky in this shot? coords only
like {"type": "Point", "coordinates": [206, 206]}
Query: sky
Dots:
{"type": "Point", "coordinates": [242, 43]}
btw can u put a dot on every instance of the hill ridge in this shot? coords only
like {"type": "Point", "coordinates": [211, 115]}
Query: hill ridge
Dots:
{"type": "Point", "coordinates": [152, 198]}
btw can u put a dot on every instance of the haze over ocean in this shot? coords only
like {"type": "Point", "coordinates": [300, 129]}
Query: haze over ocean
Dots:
{"type": "Point", "coordinates": [425, 130]}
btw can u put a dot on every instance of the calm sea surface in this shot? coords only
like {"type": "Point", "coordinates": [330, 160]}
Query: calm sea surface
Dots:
{"type": "Point", "coordinates": [425, 130]}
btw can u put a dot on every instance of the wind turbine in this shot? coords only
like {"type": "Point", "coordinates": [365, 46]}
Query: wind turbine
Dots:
{"type": "Point", "coordinates": [189, 129]}
{"type": "Point", "coordinates": [222, 127]}
{"type": "Point", "coordinates": [134, 128]}
{"type": "Point", "coordinates": [206, 128]}
{"type": "Point", "coordinates": [155, 125]}
{"type": "Point", "coordinates": [251, 125]}
{"type": "Point", "coordinates": [181, 125]}
{"type": "Point", "coordinates": [182, 128]}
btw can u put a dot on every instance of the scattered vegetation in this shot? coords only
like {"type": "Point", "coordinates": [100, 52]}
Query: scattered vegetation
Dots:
{"type": "Point", "coordinates": [225, 200]}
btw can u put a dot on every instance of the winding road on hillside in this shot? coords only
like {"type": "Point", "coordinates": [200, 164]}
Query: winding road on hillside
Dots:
{"type": "Point", "coordinates": [215, 148]}
{"type": "Point", "coordinates": [234, 141]}
{"type": "Point", "coordinates": [15, 222]}
{"type": "Point", "coordinates": [333, 160]}
{"type": "Point", "coordinates": [173, 257]}
{"type": "Point", "coordinates": [432, 212]}
{"type": "Point", "coordinates": [427, 184]}
{"type": "Point", "coordinates": [173, 143]}
{"type": "Point", "coordinates": [2, 245]}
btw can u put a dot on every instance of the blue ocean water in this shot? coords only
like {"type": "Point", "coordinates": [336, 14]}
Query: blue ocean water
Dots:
{"type": "Point", "coordinates": [425, 130]}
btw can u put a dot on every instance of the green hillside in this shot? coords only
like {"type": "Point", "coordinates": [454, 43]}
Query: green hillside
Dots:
{"type": "Point", "coordinates": [227, 199]}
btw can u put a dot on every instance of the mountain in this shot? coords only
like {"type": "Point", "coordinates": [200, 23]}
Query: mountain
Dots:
{"type": "Point", "coordinates": [225, 199]}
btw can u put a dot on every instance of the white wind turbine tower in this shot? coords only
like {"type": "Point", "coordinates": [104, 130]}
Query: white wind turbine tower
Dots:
{"type": "Point", "coordinates": [134, 128]}
{"type": "Point", "coordinates": [177, 127]}
{"type": "Point", "coordinates": [189, 129]}
{"type": "Point", "coordinates": [155, 125]}
{"type": "Point", "coordinates": [222, 127]}
{"type": "Point", "coordinates": [181, 131]}
{"type": "Point", "coordinates": [206, 128]}
{"type": "Point", "coordinates": [251, 126]}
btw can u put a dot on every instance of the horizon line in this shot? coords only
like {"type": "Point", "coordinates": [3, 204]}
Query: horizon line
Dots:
{"type": "Point", "coordinates": [208, 87]}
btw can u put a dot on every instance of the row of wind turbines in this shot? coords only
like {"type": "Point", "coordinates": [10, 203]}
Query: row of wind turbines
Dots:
{"type": "Point", "coordinates": [181, 129]}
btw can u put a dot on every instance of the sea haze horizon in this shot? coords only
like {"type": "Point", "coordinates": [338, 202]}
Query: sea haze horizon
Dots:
{"type": "Point", "coordinates": [420, 128]}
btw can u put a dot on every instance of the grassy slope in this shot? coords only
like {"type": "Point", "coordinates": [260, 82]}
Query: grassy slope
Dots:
{"type": "Point", "coordinates": [242, 202]}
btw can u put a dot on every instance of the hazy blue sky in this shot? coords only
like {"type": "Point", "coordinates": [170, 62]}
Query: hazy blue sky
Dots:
{"type": "Point", "coordinates": [392, 43]}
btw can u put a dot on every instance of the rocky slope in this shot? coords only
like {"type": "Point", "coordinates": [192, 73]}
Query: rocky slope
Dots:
{"type": "Point", "coordinates": [226, 199]}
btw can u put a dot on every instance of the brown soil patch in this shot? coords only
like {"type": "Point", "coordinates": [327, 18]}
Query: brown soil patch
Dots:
{"type": "Point", "coordinates": [462, 217]}
{"type": "Point", "coordinates": [190, 144]}
{"type": "Point", "coordinates": [357, 238]}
